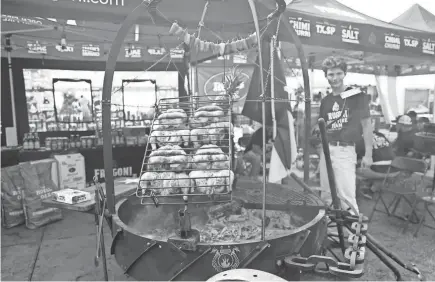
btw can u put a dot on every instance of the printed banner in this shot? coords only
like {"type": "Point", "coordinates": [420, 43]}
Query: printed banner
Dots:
{"type": "Point", "coordinates": [211, 81]}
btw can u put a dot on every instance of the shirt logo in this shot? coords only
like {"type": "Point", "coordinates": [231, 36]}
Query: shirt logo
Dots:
{"type": "Point", "coordinates": [336, 107]}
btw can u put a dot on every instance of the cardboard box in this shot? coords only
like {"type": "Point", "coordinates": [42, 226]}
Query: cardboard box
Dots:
{"type": "Point", "coordinates": [71, 196]}
{"type": "Point", "coordinates": [71, 171]}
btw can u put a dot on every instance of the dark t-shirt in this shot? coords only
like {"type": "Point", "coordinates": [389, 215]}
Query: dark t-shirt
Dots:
{"type": "Point", "coordinates": [346, 125]}
{"type": "Point", "coordinates": [257, 139]}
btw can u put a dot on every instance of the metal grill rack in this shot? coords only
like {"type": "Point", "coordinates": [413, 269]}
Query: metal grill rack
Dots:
{"type": "Point", "coordinates": [188, 155]}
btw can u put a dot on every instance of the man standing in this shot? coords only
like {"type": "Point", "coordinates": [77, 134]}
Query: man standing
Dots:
{"type": "Point", "coordinates": [347, 115]}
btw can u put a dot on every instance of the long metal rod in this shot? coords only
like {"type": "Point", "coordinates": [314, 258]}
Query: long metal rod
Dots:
{"type": "Point", "coordinates": [263, 110]}
{"type": "Point", "coordinates": [107, 97]}
{"type": "Point", "coordinates": [272, 83]}
{"type": "Point", "coordinates": [331, 177]}
{"type": "Point", "coordinates": [306, 77]}
{"type": "Point", "coordinates": [11, 84]}
{"type": "Point", "coordinates": [9, 32]}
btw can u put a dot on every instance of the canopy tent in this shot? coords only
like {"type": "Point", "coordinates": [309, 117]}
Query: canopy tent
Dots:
{"type": "Point", "coordinates": [418, 18]}
{"type": "Point", "coordinates": [325, 27]}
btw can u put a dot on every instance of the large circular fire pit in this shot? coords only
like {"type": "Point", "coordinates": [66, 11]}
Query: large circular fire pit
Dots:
{"type": "Point", "coordinates": [142, 249]}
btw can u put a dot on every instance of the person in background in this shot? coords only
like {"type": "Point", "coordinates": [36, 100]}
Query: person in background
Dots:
{"type": "Point", "coordinates": [382, 153]}
{"type": "Point", "coordinates": [421, 123]}
{"type": "Point", "coordinates": [347, 119]}
{"type": "Point", "coordinates": [254, 151]}
{"type": "Point", "coordinates": [405, 136]}
{"type": "Point", "coordinates": [413, 116]}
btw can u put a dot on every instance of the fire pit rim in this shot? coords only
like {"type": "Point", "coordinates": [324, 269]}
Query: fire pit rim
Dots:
{"type": "Point", "coordinates": [320, 215]}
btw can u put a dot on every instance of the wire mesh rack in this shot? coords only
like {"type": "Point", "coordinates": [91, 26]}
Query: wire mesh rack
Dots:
{"type": "Point", "coordinates": [188, 154]}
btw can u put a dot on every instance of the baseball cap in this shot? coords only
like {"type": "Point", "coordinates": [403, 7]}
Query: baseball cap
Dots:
{"type": "Point", "coordinates": [405, 120]}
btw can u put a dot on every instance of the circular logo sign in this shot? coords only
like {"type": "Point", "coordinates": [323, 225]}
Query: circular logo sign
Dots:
{"type": "Point", "coordinates": [215, 85]}
{"type": "Point", "coordinates": [72, 169]}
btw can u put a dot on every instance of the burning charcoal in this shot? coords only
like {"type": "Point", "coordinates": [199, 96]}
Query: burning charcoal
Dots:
{"type": "Point", "coordinates": [236, 218]}
{"type": "Point", "coordinates": [226, 209]}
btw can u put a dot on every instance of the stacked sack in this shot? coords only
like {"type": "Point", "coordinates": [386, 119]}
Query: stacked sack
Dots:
{"type": "Point", "coordinates": [24, 187]}
{"type": "Point", "coordinates": [11, 204]}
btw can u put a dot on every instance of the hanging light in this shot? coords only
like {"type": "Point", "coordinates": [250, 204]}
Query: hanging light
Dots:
{"type": "Point", "coordinates": [63, 41]}
{"type": "Point", "coordinates": [136, 33]}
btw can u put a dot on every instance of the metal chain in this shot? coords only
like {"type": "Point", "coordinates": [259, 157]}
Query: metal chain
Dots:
{"type": "Point", "coordinates": [354, 255]}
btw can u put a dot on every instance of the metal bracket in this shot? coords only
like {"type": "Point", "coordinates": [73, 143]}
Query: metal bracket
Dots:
{"type": "Point", "coordinates": [177, 249]}
{"type": "Point", "coordinates": [258, 250]}
{"type": "Point", "coordinates": [150, 245]}
{"type": "Point", "coordinates": [184, 268]}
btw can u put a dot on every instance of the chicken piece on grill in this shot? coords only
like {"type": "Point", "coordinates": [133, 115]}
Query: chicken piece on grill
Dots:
{"type": "Point", "coordinates": [220, 161]}
{"type": "Point", "coordinates": [156, 163]}
{"type": "Point", "coordinates": [213, 135]}
{"type": "Point", "coordinates": [178, 162]}
{"type": "Point", "coordinates": [183, 182]}
{"type": "Point", "coordinates": [196, 136]}
{"type": "Point", "coordinates": [179, 137]}
{"type": "Point", "coordinates": [221, 181]}
{"type": "Point", "coordinates": [199, 180]}
{"type": "Point", "coordinates": [155, 133]}
{"type": "Point", "coordinates": [201, 162]}
{"type": "Point", "coordinates": [184, 118]}
{"type": "Point", "coordinates": [185, 135]}
{"type": "Point", "coordinates": [147, 180]}
{"type": "Point", "coordinates": [167, 183]}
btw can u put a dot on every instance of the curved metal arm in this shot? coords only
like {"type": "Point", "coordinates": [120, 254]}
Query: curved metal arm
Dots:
{"type": "Point", "coordinates": [107, 97]}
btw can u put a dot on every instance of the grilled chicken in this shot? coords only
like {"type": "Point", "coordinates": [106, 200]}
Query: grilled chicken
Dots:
{"type": "Point", "coordinates": [199, 180]}
{"type": "Point", "coordinates": [196, 136]}
{"type": "Point", "coordinates": [220, 180]}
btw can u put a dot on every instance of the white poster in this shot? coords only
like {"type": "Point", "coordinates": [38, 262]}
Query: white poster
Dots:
{"type": "Point", "coordinates": [73, 101]}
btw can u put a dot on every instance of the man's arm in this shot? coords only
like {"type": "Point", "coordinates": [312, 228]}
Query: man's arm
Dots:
{"type": "Point", "coordinates": [368, 136]}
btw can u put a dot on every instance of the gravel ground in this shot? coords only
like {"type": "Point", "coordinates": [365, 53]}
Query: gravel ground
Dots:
{"type": "Point", "coordinates": [388, 232]}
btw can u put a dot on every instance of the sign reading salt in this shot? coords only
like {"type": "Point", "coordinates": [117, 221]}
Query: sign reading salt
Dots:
{"type": "Point", "coordinates": [350, 35]}
{"type": "Point", "coordinates": [429, 47]}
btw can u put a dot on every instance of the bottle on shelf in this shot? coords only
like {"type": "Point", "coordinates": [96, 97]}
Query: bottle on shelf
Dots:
{"type": "Point", "coordinates": [78, 142]}
{"type": "Point", "coordinates": [37, 144]}
{"type": "Point", "coordinates": [72, 142]}
{"type": "Point", "coordinates": [31, 142]}
{"type": "Point", "coordinates": [26, 141]}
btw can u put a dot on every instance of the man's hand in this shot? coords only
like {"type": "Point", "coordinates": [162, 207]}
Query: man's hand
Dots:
{"type": "Point", "coordinates": [366, 162]}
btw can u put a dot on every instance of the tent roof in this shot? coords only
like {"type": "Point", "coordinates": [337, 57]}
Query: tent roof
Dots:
{"type": "Point", "coordinates": [418, 18]}
{"type": "Point", "coordinates": [97, 24]}
{"type": "Point", "coordinates": [334, 10]}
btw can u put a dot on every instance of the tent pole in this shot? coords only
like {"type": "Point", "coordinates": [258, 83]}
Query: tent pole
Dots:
{"type": "Point", "coordinates": [8, 49]}
{"type": "Point", "coordinates": [263, 110]}
{"type": "Point", "coordinates": [305, 75]}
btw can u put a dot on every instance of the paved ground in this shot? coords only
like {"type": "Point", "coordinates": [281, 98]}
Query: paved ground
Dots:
{"type": "Point", "coordinates": [64, 251]}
